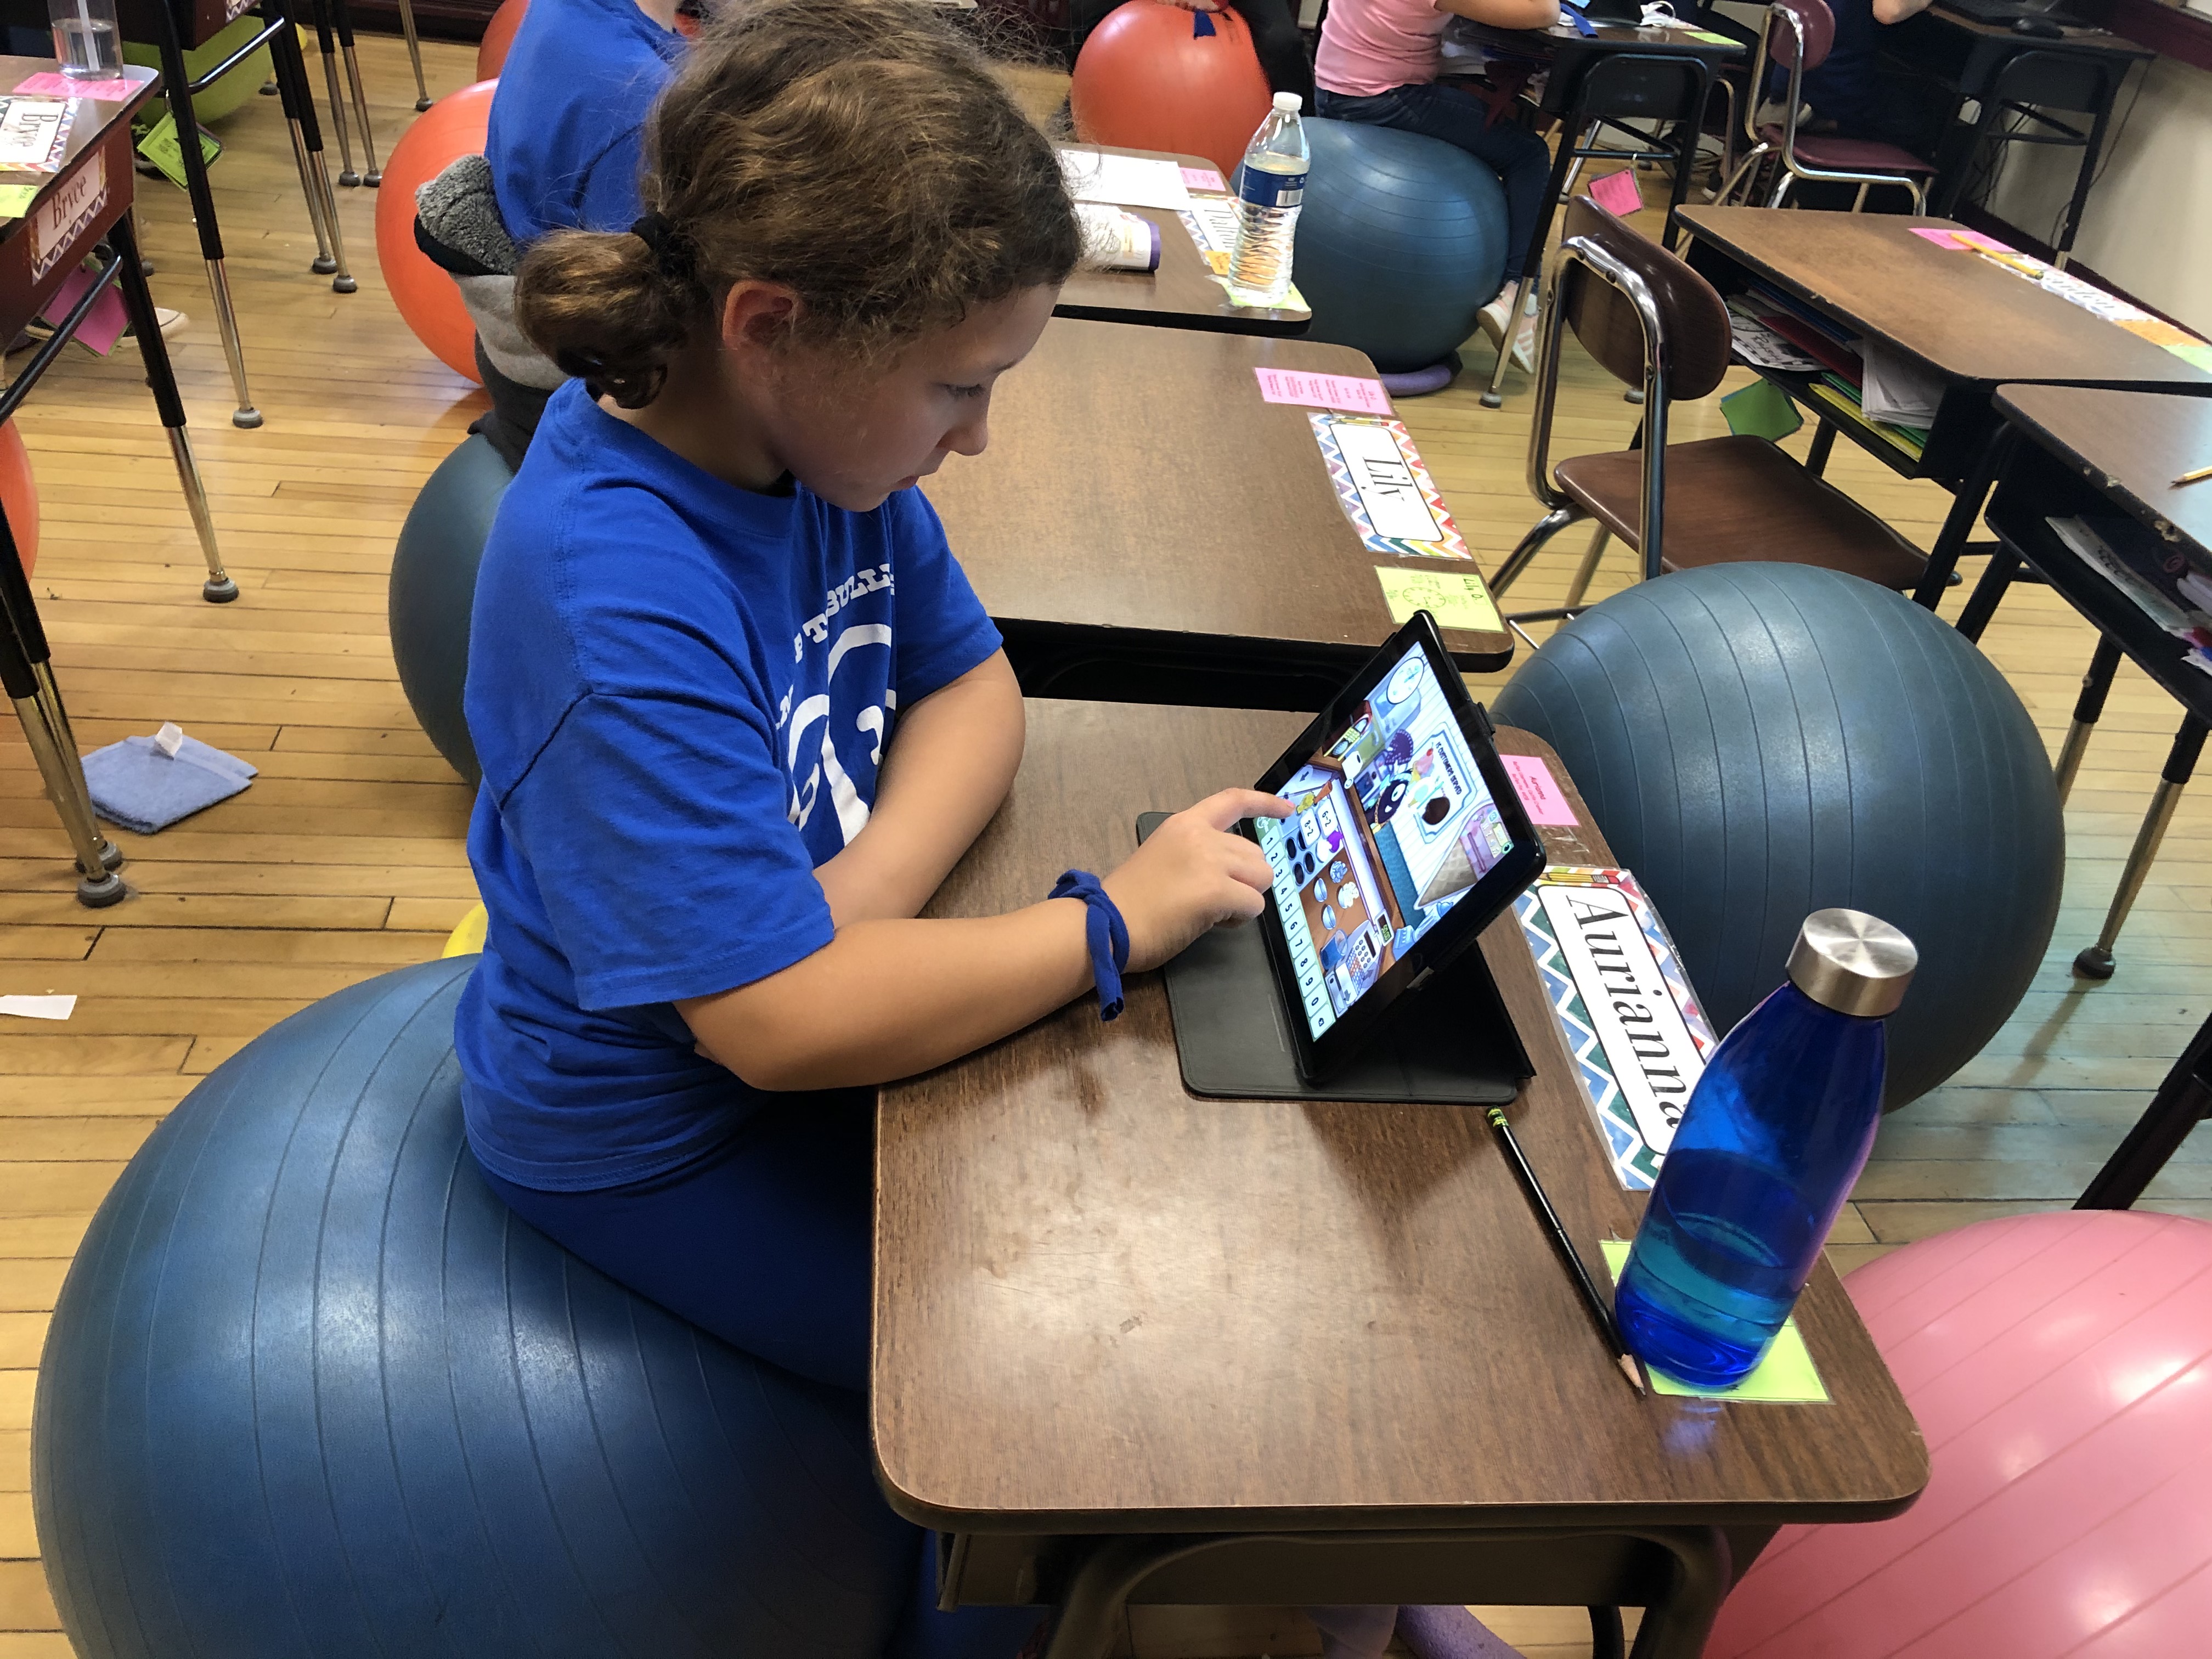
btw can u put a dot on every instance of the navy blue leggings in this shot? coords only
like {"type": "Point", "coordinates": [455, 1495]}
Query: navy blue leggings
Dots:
{"type": "Point", "coordinates": [765, 1242]}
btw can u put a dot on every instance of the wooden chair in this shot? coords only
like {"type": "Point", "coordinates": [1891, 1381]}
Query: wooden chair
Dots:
{"type": "Point", "coordinates": [1798, 36]}
{"type": "Point", "coordinates": [1652, 322]}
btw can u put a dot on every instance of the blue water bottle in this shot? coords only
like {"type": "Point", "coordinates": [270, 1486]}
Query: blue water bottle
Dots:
{"type": "Point", "coordinates": [1774, 1134]}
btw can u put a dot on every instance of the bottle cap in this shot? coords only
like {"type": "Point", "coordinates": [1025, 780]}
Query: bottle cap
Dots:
{"type": "Point", "coordinates": [1289, 102]}
{"type": "Point", "coordinates": [1852, 963]}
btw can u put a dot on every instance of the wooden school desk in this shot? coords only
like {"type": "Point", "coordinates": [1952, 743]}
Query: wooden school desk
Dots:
{"type": "Point", "coordinates": [1972, 322]}
{"type": "Point", "coordinates": [1182, 293]}
{"type": "Point", "coordinates": [1145, 528]}
{"type": "Point", "coordinates": [83, 209]}
{"type": "Point", "coordinates": [1130, 1345]}
{"type": "Point", "coordinates": [2116, 453]}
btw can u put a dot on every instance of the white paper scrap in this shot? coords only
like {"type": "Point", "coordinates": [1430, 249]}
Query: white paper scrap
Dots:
{"type": "Point", "coordinates": [39, 1007]}
{"type": "Point", "coordinates": [170, 738]}
{"type": "Point", "coordinates": [1125, 180]}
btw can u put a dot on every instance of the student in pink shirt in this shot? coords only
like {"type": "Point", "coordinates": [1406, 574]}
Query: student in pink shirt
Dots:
{"type": "Point", "coordinates": [1377, 63]}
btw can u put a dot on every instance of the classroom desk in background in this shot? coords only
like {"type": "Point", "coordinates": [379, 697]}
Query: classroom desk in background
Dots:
{"type": "Point", "coordinates": [1972, 322]}
{"type": "Point", "coordinates": [1183, 292]}
{"type": "Point", "coordinates": [1145, 528]}
{"type": "Point", "coordinates": [2117, 454]}
{"type": "Point", "coordinates": [1133, 1344]}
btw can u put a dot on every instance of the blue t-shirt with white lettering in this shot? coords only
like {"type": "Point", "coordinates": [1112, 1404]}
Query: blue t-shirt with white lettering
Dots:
{"type": "Point", "coordinates": [567, 135]}
{"type": "Point", "coordinates": [680, 692]}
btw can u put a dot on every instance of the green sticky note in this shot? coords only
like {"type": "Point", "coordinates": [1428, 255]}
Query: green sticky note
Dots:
{"type": "Point", "coordinates": [1456, 598]}
{"type": "Point", "coordinates": [161, 147]}
{"type": "Point", "coordinates": [1717, 39]}
{"type": "Point", "coordinates": [16, 200]}
{"type": "Point", "coordinates": [1786, 1377]}
{"type": "Point", "coordinates": [1761, 409]}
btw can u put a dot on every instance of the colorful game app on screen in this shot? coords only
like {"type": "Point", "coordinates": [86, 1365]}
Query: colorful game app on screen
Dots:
{"type": "Point", "coordinates": [1394, 824]}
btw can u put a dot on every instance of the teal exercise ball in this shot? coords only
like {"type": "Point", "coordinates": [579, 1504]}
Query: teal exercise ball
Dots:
{"type": "Point", "coordinates": [434, 589]}
{"type": "Point", "coordinates": [1761, 741]}
{"type": "Point", "coordinates": [1400, 243]}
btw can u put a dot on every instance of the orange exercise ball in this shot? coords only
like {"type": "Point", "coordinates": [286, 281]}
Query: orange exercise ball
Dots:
{"type": "Point", "coordinates": [498, 36]}
{"type": "Point", "coordinates": [428, 302]}
{"type": "Point", "coordinates": [19, 493]}
{"type": "Point", "coordinates": [1148, 78]}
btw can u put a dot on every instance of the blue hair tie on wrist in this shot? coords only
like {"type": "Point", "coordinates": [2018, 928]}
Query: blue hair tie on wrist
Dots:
{"type": "Point", "coordinates": [1107, 934]}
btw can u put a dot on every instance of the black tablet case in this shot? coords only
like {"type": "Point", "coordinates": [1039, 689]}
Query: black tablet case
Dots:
{"type": "Point", "coordinates": [1453, 1044]}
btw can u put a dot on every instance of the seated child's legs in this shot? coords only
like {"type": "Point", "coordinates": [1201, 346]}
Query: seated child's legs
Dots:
{"type": "Point", "coordinates": [1522, 161]}
{"type": "Point", "coordinates": [765, 1241]}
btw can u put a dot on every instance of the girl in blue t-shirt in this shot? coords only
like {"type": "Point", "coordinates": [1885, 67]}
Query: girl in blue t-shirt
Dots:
{"type": "Point", "coordinates": [738, 709]}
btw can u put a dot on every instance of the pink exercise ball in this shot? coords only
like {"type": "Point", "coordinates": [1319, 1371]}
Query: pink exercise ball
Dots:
{"type": "Point", "coordinates": [2060, 1366]}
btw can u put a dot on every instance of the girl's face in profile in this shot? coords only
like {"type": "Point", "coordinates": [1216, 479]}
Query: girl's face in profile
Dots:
{"type": "Point", "coordinates": [853, 436]}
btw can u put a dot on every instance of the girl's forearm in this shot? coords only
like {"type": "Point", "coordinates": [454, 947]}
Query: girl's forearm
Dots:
{"type": "Point", "coordinates": [887, 999]}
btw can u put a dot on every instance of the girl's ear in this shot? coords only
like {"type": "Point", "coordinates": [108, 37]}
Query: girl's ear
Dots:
{"type": "Point", "coordinates": [758, 316]}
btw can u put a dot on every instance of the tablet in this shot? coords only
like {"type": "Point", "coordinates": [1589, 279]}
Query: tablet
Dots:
{"type": "Point", "coordinates": [1407, 840]}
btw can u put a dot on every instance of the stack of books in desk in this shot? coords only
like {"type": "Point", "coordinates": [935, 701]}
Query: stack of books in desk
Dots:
{"type": "Point", "coordinates": [1897, 406]}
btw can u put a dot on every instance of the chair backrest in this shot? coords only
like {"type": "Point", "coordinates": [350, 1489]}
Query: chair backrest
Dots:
{"type": "Point", "coordinates": [1693, 324]}
{"type": "Point", "coordinates": [1812, 39]}
{"type": "Point", "coordinates": [1649, 320]}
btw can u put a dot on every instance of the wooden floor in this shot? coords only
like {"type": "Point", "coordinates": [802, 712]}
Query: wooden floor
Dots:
{"type": "Point", "coordinates": [345, 857]}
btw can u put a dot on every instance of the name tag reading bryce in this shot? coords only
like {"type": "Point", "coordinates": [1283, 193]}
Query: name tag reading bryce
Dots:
{"type": "Point", "coordinates": [58, 222]}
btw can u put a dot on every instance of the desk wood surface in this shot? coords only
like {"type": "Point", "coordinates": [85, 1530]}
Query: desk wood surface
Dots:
{"type": "Point", "coordinates": [2069, 39]}
{"type": "Point", "coordinates": [1182, 293]}
{"type": "Point", "coordinates": [1968, 319]}
{"type": "Point", "coordinates": [1103, 1304]}
{"type": "Point", "coordinates": [90, 191]}
{"type": "Point", "coordinates": [2132, 445]}
{"type": "Point", "coordinates": [1136, 480]}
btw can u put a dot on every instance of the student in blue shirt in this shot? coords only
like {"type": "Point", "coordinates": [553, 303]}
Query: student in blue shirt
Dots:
{"type": "Point", "coordinates": [739, 712]}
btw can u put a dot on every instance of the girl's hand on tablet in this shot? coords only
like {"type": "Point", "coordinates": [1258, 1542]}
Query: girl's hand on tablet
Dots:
{"type": "Point", "coordinates": [1194, 872]}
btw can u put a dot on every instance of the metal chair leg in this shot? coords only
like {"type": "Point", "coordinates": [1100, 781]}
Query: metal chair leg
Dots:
{"type": "Point", "coordinates": [1587, 568]}
{"type": "Point", "coordinates": [2088, 708]}
{"type": "Point", "coordinates": [1530, 545]}
{"type": "Point", "coordinates": [414, 52]}
{"type": "Point", "coordinates": [2183, 1100]}
{"type": "Point", "coordinates": [342, 14]}
{"type": "Point", "coordinates": [308, 152]}
{"type": "Point", "coordinates": [326, 46]}
{"type": "Point", "coordinates": [2095, 961]}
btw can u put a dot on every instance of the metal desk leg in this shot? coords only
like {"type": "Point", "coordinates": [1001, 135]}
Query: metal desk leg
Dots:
{"type": "Point", "coordinates": [342, 16]}
{"type": "Point", "coordinates": [1677, 1628]}
{"type": "Point", "coordinates": [1973, 494]}
{"type": "Point", "coordinates": [1570, 134]}
{"type": "Point", "coordinates": [1989, 592]}
{"type": "Point", "coordinates": [177, 84]}
{"type": "Point", "coordinates": [414, 52]}
{"type": "Point", "coordinates": [326, 43]}
{"type": "Point", "coordinates": [26, 678]}
{"type": "Point", "coordinates": [2183, 1101]}
{"type": "Point", "coordinates": [1607, 1640]}
{"type": "Point", "coordinates": [2095, 961]}
{"type": "Point", "coordinates": [1824, 443]}
{"type": "Point", "coordinates": [154, 352]}
{"type": "Point", "coordinates": [1099, 1593]}
{"type": "Point", "coordinates": [307, 153]}
{"type": "Point", "coordinates": [2088, 707]}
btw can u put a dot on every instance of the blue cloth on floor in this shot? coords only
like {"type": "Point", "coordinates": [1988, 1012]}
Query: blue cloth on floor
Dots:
{"type": "Point", "coordinates": [134, 785]}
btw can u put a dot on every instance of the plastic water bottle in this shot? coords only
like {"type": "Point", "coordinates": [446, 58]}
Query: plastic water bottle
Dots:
{"type": "Point", "coordinates": [1270, 186]}
{"type": "Point", "coordinates": [1774, 1134]}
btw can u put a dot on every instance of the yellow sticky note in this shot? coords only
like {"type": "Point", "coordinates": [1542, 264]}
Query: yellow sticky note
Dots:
{"type": "Point", "coordinates": [1786, 1377]}
{"type": "Point", "coordinates": [16, 200]}
{"type": "Point", "coordinates": [1455, 598]}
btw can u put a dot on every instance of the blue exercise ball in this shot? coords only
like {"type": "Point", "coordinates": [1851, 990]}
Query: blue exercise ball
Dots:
{"type": "Point", "coordinates": [433, 588]}
{"type": "Point", "coordinates": [1761, 741]}
{"type": "Point", "coordinates": [1401, 241]}
{"type": "Point", "coordinates": [311, 1392]}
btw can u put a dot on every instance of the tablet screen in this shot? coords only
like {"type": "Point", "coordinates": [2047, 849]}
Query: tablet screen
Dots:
{"type": "Point", "coordinates": [1394, 824]}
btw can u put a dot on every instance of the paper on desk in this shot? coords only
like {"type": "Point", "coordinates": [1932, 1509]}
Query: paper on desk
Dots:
{"type": "Point", "coordinates": [1539, 791]}
{"type": "Point", "coordinates": [1786, 1377]}
{"type": "Point", "coordinates": [1455, 598]}
{"type": "Point", "coordinates": [1896, 388]}
{"type": "Point", "coordinates": [16, 200]}
{"type": "Point", "coordinates": [1385, 488]}
{"type": "Point", "coordinates": [1762, 347]}
{"type": "Point", "coordinates": [39, 1007]}
{"type": "Point", "coordinates": [1125, 180]}
{"type": "Point", "coordinates": [1202, 179]}
{"type": "Point", "coordinates": [48, 84]}
{"type": "Point", "coordinates": [34, 131]}
{"type": "Point", "coordinates": [1352, 391]}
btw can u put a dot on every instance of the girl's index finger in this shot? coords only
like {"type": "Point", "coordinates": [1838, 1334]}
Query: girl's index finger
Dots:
{"type": "Point", "coordinates": [1225, 808]}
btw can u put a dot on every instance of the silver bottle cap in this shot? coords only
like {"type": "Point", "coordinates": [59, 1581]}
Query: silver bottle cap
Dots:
{"type": "Point", "coordinates": [1852, 963]}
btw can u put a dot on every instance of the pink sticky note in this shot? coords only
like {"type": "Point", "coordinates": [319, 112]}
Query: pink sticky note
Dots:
{"type": "Point", "coordinates": [1202, 179]}
{"type": "Point", "coordinates": [103, 324]}
{"type": "Point", "coordinates": [1617, 193]}
{"type": "Point", "coordinates": [47, 84]}
{"type": "Point", "coordinates": [1361, 396]}
{"type": "Point", "coordinates": [1987, 244]}
{"type": "Point", "coordinates": [1539, 791]}
{"type": "Point", "coordinates": [1942, 238]}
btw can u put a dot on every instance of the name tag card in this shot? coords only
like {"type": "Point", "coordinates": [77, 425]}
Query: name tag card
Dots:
{"type": "Point", "coordinates": [1384, 489]}
{"type": "Point", "coordinates": [59, 221]}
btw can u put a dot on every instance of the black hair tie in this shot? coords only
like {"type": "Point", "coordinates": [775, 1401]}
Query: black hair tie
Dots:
{"type": "Point", "coordinates": [670, 251]}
